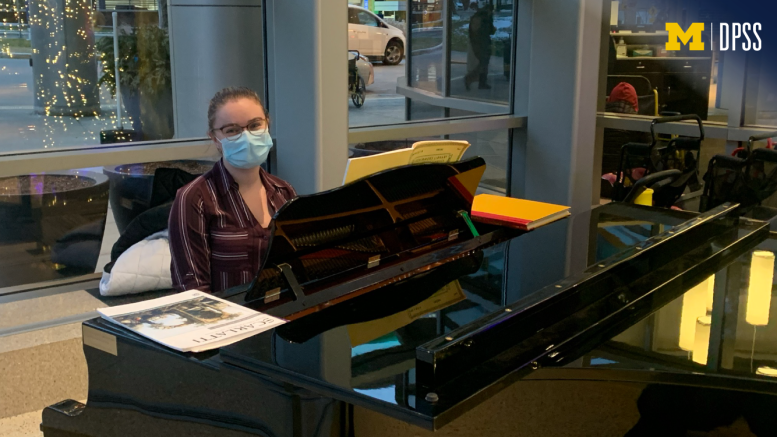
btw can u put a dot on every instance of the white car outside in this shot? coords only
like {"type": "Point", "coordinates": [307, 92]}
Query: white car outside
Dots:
{"type": "Point", "coordinates": [373, 37]}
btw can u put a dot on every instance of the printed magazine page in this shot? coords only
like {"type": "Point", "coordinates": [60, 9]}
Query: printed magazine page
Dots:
{"type": "Point", "coordinates": [192, 321]}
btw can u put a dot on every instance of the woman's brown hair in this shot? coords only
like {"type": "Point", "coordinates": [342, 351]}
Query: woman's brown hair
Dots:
{"type": "Point", "coordinates": [230, 94]}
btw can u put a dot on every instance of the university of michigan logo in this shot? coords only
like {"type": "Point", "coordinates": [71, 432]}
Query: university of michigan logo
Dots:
{"type": "Point", "coordinates": [692, 35]}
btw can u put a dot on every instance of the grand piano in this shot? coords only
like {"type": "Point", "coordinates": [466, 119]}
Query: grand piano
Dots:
{"type": "Point", "coordinates": [404, 316]}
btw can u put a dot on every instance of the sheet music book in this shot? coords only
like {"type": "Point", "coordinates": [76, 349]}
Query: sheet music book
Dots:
{"type": "Point", "coordinates": [422, 152]}
{"type": "Point", "coordinates": [192, 321]}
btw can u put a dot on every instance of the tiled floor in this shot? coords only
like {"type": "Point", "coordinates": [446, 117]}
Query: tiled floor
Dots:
{"type": "Point", "coordinates": [42, 367]}
{"type": "Point", "coordinates": [45, 365]}
{"type": "Point", "coordinates": [23, 425]}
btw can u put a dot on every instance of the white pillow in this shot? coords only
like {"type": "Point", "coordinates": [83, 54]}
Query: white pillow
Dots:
{"type": "Point", "coordinates": [143, 267]}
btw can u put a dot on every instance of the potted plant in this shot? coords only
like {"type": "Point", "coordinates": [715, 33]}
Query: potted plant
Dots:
{"type": "Point", "coordinates": [144, 74]}
{"type": "Point", "coordinates": [52, 225]}
{"type": "Point", "coordinates": [131, 186]}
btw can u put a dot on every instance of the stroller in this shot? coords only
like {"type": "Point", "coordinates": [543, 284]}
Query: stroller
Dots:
{"type": "Point", "coordinates": [356, 87]}
{"type": "Point", "coordinates": [748, 177]}
{"type": "Point", "coordinates": [672, 165]}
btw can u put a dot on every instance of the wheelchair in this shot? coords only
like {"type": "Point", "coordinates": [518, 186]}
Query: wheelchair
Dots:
{"type": "Point", "coordinates": [356, 87]}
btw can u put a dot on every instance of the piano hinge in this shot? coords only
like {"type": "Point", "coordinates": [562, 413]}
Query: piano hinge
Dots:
{"type": "Point", "coordinates": [452, 235]}
{"type": "Point", "coordinates": [373, 261]}
{"type": "Point", "coordinates": [292, 281]}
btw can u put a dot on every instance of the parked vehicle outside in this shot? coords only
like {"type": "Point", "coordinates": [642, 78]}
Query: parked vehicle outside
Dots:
{"type": "Point", "coordinates": [373, 37]}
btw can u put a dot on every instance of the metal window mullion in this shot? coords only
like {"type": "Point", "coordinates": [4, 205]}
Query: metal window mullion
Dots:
{"type": "Point", "coordinates": [513, 48]}
{"type": "Point", "coordinates": [13, 164]}
{"type": "Point", "coordinates": [640, 124]}
{"type": "Point", "coordinates": [269, 79]}
{"type": "Point", "coordinates": [408, 42]}
{"type": "Point", "coordinates": [174, 87]}
{"type": "Point", "coordinates": [509, 169]}
{"type": "Point", "coordinates": [744, 133]}
{"type": "Point", "coordinates": [711, 130]}
{"type": "Point", "coordinates": [434, 128]}
{"type": "Point", "coordinates": [408, 52]}
{"type": "Point", "coordinates": [446, 50]}
{"type": "Point", "coordinates": [49, 161]}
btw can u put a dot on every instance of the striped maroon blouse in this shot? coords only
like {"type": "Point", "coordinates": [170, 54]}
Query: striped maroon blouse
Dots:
{"type": "Point", "coordinates": [216, 242]}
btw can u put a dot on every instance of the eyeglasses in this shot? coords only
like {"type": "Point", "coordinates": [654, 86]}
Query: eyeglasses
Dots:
{"type": "Point", "coordinates": [233, 131]}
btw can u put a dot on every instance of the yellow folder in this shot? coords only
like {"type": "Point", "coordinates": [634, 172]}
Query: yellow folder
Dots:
{"type": "Point", "coordinates": [518, 213]}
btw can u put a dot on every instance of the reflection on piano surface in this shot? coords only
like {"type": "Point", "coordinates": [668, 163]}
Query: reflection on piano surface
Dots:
{"type": "Point", "coordinates": [674, 336]}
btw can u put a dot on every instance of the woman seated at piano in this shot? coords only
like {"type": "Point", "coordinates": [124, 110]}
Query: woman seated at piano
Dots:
{"type": "Point", "coordinates": [219, 222]}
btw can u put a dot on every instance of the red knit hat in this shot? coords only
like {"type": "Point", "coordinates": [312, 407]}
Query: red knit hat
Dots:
{"type": "Point", "coordinates": [625, 92]}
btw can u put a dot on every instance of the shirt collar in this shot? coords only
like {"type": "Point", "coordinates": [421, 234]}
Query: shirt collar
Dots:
{"type": "Point", "coordinates": [225, 181]}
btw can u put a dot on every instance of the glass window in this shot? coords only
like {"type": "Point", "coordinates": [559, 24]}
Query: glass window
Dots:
{"type": "Point", "coordinates": [353, 16]}
{"type": "Point", "coordinates": [367, 19]}
{"type": "Point", "coordinates": [426, 44]}
{"type": "Point", "coordinates": [473, 64]}
{"type": "Point", "coordinates": [480, 46]}
{"type": "Point", "coordinates": [58, 78]}
{"type": "Point", "coordinates": [614, 139]}
{"type": "Point", "coordinates": [52, 225]}
{"type": "Point", "coordinates": [492, 146]}
{"type": "Point", "coordinates": [419, 110]}
{"type": "Point", "coordinates": [59, 87]}
{"type": "Point", "coordinates": [63, 224]}
{"type": "Point", "coordinates": [458, 56]}
{"type": "Point", "coordinates": [381, 66]}
{"type": "Point", "coordinates": [643, 78]}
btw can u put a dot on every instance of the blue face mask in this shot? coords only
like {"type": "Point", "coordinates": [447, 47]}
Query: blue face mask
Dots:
{"type": "Point", "coordinates": [248, 150]}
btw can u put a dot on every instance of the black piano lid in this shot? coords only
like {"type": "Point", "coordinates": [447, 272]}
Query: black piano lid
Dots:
{"type": "Point", "coordinates": [373, 231]}
{"type": "Point", "coordinates": [473, 354]}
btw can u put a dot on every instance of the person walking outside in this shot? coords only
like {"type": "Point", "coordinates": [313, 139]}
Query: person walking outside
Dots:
{"type": "Point", "coordinates": [481, 27]}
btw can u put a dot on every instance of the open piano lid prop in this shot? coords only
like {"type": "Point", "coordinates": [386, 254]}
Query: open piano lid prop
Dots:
{"type": "Point", "coordinates": [380, 229]}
